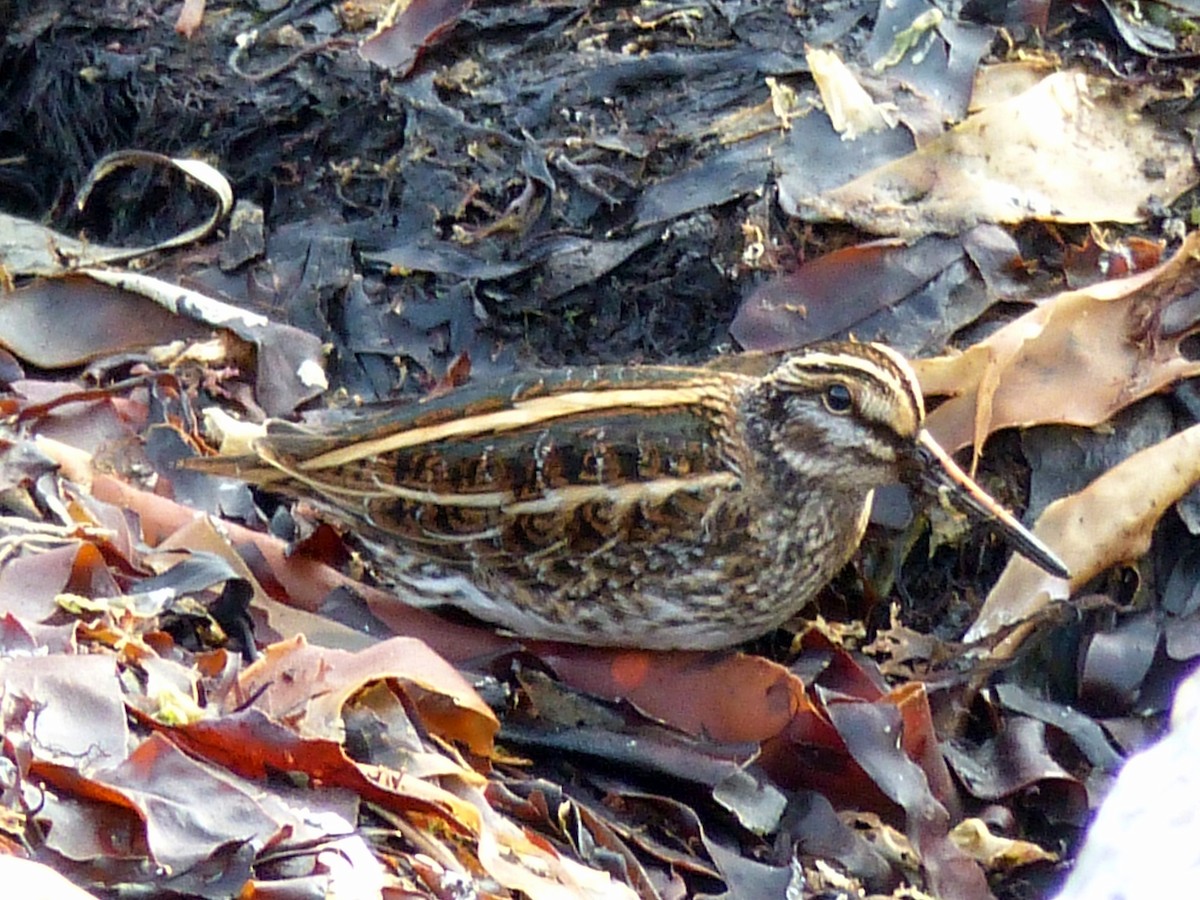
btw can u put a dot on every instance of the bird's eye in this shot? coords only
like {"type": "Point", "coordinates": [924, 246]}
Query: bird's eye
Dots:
{"type": "Point", "coordinates": [837, 399]}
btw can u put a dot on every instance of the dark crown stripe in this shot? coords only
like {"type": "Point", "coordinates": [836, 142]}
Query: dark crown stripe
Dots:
{"type": "Point", "coordinates": [905, 376]}
{"type": "Point", "coordinates": [874, 361]}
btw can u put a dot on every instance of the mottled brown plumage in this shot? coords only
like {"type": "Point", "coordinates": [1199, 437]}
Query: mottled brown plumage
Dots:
{"type": "Point", "coordinates": [659, 507]}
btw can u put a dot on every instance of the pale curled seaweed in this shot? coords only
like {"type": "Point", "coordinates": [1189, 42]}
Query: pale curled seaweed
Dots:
{"type": "Point", "coordinates": [1109, 523]}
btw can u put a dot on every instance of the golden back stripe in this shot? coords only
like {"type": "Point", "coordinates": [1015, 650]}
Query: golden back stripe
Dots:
{"type": "Point", "coordinates": [621, 495]}
{"type": "Point", "coordinates": [524, 414]}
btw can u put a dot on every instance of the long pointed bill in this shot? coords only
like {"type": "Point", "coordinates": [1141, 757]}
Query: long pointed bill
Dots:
{"type": "Point", "coordinates": [943, 471]}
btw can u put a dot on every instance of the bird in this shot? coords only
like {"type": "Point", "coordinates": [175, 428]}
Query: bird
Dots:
{"type": "Point", "coordinates": [650, 507]}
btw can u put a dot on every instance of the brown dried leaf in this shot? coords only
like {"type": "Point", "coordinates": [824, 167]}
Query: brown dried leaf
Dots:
{"type": "Point", "coordinates": [1077, 359]}
{"type": "Point", "coordinates": [74, 711]}
{"type": "Point", "coordinates": [116, 322]}
{"type": "Point", "coordinates": [190, 809]}
{"type": "Point", "coordinates": [1109, 523]}
{"type": "Point", "coordinates": [306, 583]}
{"type": "Point", "coordinates": [30, 584]}
{"type": "Point", "coordinates": [275, 620]}
{"type": "Point", "coordinates": [838, 290]}
{"type": "Point", "coordinates": [400, 41]}
{"type": "Point", "coordinates": [871, 731]}
{"type": "Point", "coordinates": [1015, 760]}
{"type": "Point", "coordinates": [732, 698]}
{"type": "Point", "coordinates": [1038, 156]}
{"type": "Point", "coordinates": [309, 686]}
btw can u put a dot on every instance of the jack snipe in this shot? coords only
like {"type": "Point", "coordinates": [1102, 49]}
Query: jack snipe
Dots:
{"type": "Point", "coordinates": [657, 507]}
